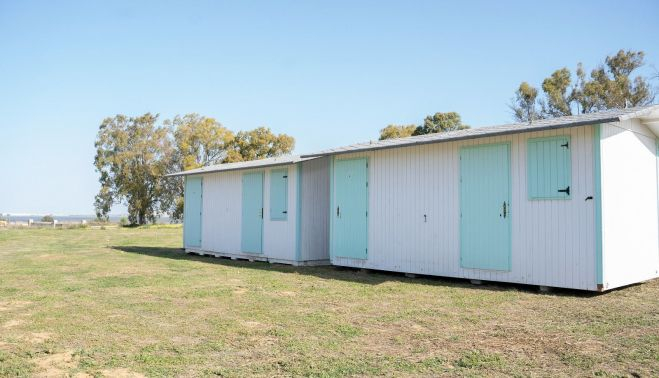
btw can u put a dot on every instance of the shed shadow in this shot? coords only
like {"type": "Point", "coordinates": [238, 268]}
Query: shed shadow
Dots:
{"type": "Point", "coordinates": [355, 275]}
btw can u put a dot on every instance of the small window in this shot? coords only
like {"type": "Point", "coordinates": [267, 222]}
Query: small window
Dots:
{"type": "Point", "coordinates": [549, 168]}
{"type": "Point", "coordinates": [279, 194]}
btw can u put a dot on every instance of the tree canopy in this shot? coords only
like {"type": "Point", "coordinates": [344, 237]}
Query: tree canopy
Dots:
{"type": "Point", "coordinates": [258, 144]}
{"type": "Point", "coordinates": [200, 141]}
{"type": "Point", "coordinates": [133, 154]}
{"type": "Point", "coordinates": [609, 86]}
{"type": "Point", "coordinates": [397, 131]}
{"type": "Point", "coordinates": [435, 123]}
{"type": "Point", "coordinates": [441, 122]}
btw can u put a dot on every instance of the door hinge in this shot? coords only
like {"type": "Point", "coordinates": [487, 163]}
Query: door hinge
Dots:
{"type": "Point", "coordinates": [566, 145]}
{"type": "Point", "coordinates": [286, 176]}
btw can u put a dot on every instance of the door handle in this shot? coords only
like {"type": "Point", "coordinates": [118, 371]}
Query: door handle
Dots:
{"type": "Point", "coordinates": [505, 209]}
{"type": "Point", "coordinates": [338, 212]}
{"type": "Point", "coordinates": [566, 190]}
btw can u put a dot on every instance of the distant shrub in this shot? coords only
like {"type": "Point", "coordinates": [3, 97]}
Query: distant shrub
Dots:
{"type": "Point", "coordinates": [78, 225]}
{"type": "Point", "coordinates": [123, 222]}
{"type": "Point", "coordinates": [48, 218]}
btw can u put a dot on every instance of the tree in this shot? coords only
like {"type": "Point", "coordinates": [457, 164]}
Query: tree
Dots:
{"type": "Point", "coordinates": [132, 156]}
{"type": "Point", "coordinates": [258, 144]}
{"type": "Point", "coordinates": [525, 103]}
{"type": "Point", "coordinates": [440, 122]}
{"type": "Point", "coordinates": [48, 218]}
{"type": "Point", "coordinates": [397, 131]}
{"type": "Point", "coordinates": [610, 86]}
{"type": "Point", "coordinates": [555, 88]}
{"type": "Point", "coordinates": [199, 141]}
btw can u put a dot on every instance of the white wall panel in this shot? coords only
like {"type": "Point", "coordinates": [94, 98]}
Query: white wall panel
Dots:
{"type": "Point", "coordinates": [315, 210]}
{"type": "Point", "coordinates": [630, 247]}
{"type": "Point", "coordinates": [552, 240]}
{"type": "Point", "coordinates": [222, 215]}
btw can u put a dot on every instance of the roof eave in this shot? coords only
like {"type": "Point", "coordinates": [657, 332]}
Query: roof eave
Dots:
{"type": "Point", "coordinates": [468, 137]}
{"type": "Point", "coordinates": [197, 172]}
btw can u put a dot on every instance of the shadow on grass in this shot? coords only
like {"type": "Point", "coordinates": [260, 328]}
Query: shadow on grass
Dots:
{"type": "Point", "coordinates": [368, 277]}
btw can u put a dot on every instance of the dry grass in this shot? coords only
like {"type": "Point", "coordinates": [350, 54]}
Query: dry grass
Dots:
{"type": "Point", "coordinates": [127, 302]}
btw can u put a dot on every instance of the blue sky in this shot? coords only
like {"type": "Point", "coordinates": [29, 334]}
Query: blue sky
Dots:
{"type": "Point", "coordinates": [328, 73]}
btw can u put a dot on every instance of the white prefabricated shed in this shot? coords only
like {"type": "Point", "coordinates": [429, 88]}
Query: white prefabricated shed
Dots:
{"type": "Point", "coordinates": [569, 202]}
{"type": "Point", "coordinates": [273, 209]}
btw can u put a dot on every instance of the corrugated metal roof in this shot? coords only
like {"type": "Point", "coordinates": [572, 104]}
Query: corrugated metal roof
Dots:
{"type": "Point", "coordinates": [268, 162]}
{"type": "Point", "coordinates": [480, 132]}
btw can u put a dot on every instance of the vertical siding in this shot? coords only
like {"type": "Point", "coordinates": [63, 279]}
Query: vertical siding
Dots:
{"type": "Point", "coordinates": [222, 212]}
{"type": "Point", "coordinates": [222, 215]}
{"type": "Point", "coordinates": [630, 250]}
{"type": "Point", "coordinates": [552, 240]}
{"type": "Point", "coordinates": [314, 230]}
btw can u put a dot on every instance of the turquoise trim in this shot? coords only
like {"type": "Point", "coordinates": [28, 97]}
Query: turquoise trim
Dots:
{"type": "Point", "coordinates": [298, 213]}
{"type": "Point", "coordinates": [599, 264]}
{"type": "Point", "coordinates": [279, 194]}
{"type": "Point", "coordinates": [331, 207]}
{"type": "Point", "coordinates": [485, 189]}
{"type": "Point", "coordinates": [549, 168]}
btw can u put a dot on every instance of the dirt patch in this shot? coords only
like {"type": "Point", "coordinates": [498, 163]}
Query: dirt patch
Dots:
{"type": "Point", "coordinates": [49, 257]}
{"type": "Point", "coordinates": [12, 323]}
{"type": "Point", "coordinates": [55, 365]}
{"type": "Point", "coordinates": [15, 305]}
{"type": "Point", "coordinates": [121, 373]}
{"type": "Point", "coordinates": [82, 375]}
{"type": "Point", "coordinates": [39, 337]}
{"type": "Point", "coordinates": [4, 346]}
{"type": "Point", "coordinates": [240, 291]}
{"type": "Point", "coordinates": [252, 324]}
{"type": "Point", "coordinates": [287, 293]}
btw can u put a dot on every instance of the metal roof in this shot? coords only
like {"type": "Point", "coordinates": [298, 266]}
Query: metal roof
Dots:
{"type": "Point", "coordinates": [268, 162]}
{"type": "Point", "coordinates": [480, 132]}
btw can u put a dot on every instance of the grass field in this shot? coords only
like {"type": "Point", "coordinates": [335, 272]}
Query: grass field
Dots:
{"type": "Point", "coordinates": [129, 302]}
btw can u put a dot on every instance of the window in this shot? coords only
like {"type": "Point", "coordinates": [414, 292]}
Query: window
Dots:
{"type": "Point", "coordinates": [279, 194]}
{"type": "Point", "coordinates": [549, 172]}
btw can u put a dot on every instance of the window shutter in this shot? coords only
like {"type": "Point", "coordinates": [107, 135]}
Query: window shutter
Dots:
{"type": "Point", "coordinates": [279, 194]}
{"type": "Point", "coordinates": [549, 168]}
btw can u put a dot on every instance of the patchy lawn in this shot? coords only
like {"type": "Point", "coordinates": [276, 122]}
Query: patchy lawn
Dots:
{"type": "Point", "coordinates": [129, 302]}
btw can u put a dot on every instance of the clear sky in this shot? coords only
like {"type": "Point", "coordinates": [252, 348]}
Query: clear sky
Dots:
{"type": "Point", "coordinates": [328, 73]}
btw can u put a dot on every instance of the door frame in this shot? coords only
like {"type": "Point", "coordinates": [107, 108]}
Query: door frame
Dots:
{"type": "Point", "coordinates": [332, 203]}
{"type": "Point", "coordinates": [242, 204]}
{"type": "Point", "coordinates": [508, 145]}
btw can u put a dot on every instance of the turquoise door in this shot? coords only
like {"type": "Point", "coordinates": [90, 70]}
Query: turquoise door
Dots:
{"type": "Point", "coordinates": [485, 207]}
{"type": "Point", "coordinates": [350, 213]}
{"type": "Point", "coordinates": [192, 212]}
{"type": "Point", "coordinates": [252, 215]}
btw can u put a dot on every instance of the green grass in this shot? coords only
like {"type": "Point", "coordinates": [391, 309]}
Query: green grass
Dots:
{"type": "Point", "coordinates": [129, 301]}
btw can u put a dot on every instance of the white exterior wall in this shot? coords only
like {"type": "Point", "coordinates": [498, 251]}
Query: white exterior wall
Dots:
{"type": "Point", "coordinates": [222, 215]}
{"type": "Point", "coordinates": [314, 228]}
{"type": "Point", "coordinates": [553, 241]}
{"type": "Point", "coordinates": [630, 244]}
